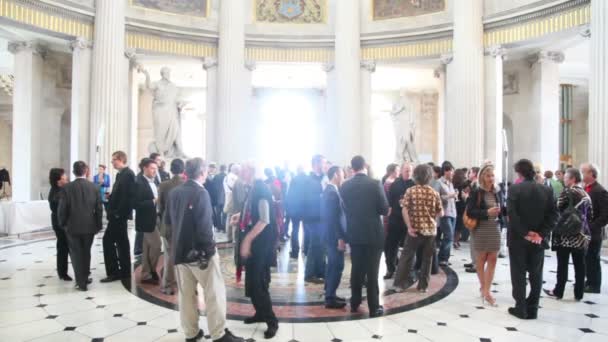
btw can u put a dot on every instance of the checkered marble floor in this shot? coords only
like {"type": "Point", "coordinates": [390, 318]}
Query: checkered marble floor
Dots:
{"type": "Point", "coordinates": [36, 306]}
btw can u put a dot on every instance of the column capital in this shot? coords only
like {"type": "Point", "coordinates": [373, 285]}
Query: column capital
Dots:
{"type": "Point", "coordinates": [20, 46]}
{"type": "Point", "coordinates": [497, 51]}
{"type": "Point", "coordinates": [80, 43]}
{"type": "Point", "coordinates": [211, 62]}
{"type": "Point", "coordinates": [446, 58]}
{"type": "Point", "coordinates": [250, 65]}
{"type": "Point", "coordinates": [438, 71]}
{"type": "Point", "coordinates": [585, 31]}
{"type": "Point", "coordinates": [328, 67]}
{"type": "Point", "coordinates": [131, 54]}
{"type": "Point", "coordinates": [369, 65]}
{"type": "Point", "coordinates": [547, 56]}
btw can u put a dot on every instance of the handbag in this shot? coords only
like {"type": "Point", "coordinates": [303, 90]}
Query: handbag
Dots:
{"type": "Point", "coordinates": [469, 222]}
{"type": "Point", "coordinates": [571, 221]}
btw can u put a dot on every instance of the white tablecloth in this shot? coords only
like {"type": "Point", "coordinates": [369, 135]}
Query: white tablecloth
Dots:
{"type": "Point", "coordinates": [24, 217]}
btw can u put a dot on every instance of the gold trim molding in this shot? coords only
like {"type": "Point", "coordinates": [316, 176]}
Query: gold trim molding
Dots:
{"type": "Point", "coordinates": [37, 18]}
{"type": "Point", "coordinates": [301, 55]}
{"type": "Point", "coordinates": [419, 49]}
{"type": "Point", "coordinates": [169, 45]}
{"type": "Point", "coordinates": [538, 28]}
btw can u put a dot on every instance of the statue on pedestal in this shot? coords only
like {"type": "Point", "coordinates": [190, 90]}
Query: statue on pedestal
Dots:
{"type": "Point", "coordinates": [166, 111]}
{"type": "Point", "coordinates": [404, 124]}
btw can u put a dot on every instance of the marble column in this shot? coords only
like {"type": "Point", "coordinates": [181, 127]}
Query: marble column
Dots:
{"type": "Point", "coordinates": [441, 75]}
{"type": "Point", "coordinates": [109, 124]}
{"type": "Point", "coordinates": [230, 73]}
{"type": "Point", "coordinates": [211, 148]}
{"type": "Point", "coordinates": [545, 104]}
{"type": "Point", "coordinates": [464, 115]}
{"type": "Point", "coordinates": [493, 150]}
{"type": "Point", "coordinates": [367, 69]}
{"type": "Point", "coordinates": [331, 121]}
{"type": "Point", "coordinates": [133, 106]}
{"type": "Point", "coordinates": [27, 94]}
{"type": "Point", "coordinates": [81, 101]}
{"type": "Point", "coordinates": [348, 80]}
{"type": "Point", "coordinates": [598, 88]}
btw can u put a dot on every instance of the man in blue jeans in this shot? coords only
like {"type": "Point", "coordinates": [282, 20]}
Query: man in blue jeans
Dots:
{"type": "Point", "coordinates": [333, 223]}
{"type": "Point", "coordinates": [447, 222]}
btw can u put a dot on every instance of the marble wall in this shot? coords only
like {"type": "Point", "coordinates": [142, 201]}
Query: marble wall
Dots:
{"type": "Point", "coordinates": [197, 8]}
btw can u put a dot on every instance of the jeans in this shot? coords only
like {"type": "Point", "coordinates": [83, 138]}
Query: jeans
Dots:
{"type": "Point", "coordinates": [446, 225]}
{"type": "Point", "coordinates": [594, 267]}
{"type": "Point", "coordinates": [333, 274]}
{"type": "Point", "coordinates": [295, 235]}
{"type": "Point", "coordinates": [315, 256]}
{"type": "Point", "coordinates": [578, 259]}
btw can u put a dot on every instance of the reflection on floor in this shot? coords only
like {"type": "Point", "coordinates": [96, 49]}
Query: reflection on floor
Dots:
{"type": "Point", "coordinates": [36, 306]}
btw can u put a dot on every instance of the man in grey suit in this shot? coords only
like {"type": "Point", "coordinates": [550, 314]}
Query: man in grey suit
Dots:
{"type": "Point", "coordinates": [80, 212]}
{"type": "Point", "coordinates": [364, 203]}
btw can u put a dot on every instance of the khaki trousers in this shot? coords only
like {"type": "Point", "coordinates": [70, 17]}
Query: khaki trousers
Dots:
{"type": "Point", "coordinates": [230, 229]}
{"type": "Point", "coordinates": [150, 254]}
{"type": "Point", "coordinates": [214, 291]}
{"type": "Point", "coordinates": [168, 268]}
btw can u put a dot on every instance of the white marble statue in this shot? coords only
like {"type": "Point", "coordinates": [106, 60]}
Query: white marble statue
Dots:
{"type": "Point", "coordinates": [166, 115]}
{"type": "Point", "coordinates": [404, 124]}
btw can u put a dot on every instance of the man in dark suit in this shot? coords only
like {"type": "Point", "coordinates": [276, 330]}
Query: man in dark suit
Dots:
{"type": "Point", "coordinates": [80, 212]}
{"type": "Point", "coordinates": [220, 198]}
{"type": "Point", "coordinates": [146, 216]}
{"type": "Point", "coordinates": [311, 197]}
{"type": "Point", "coordinates": [116, 251]}
{"type": "Point", "coordinates": [364, 203]}
{"type": "Point", "coordinates": [333, 224]}
{"type": "Point", "coordinates": [294, 211]}
{"type": "Point", "coordinates": [396, 224]}
{"type": "Point", "coordinates": [599, 198]}
{"type": "Point", "coordinates": [161, 174]}
{"type": "Point", "coordinates": [532, 216]}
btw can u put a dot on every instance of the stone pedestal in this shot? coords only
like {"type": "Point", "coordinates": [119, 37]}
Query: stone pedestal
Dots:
{"type": "Point", "coordinates": [493, 142]}
{"type": "Point", "coordinates": [464, 129]}
{"type": "Point", "coordinates": [81, 102]}
{"type": "Point", "coordinates": [211, 149]}
{"type": "Point", "coordinates": [109, 120]}
{"type": "Point", "coordinates": [545, 103]}
{"type": "Point", "coordinates": [27, 95]}
{"type": "Point", "coordinates": [598, 89]}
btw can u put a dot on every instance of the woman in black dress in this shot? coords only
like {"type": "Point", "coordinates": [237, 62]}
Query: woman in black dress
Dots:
{"type": "Point", "coordinates": [57, 179]}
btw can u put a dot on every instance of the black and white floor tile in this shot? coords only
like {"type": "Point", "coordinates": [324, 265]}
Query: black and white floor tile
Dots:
{"type": "Point", "coordinates": [36, 306]}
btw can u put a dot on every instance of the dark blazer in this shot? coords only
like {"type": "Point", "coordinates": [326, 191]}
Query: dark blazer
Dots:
{"type": "Point", "coordinates": [396, 191]}
{"type": "Point", "coordinates": [480, 212]}
{"type": "Point", "coordinates": [294, 196]}
{"type": "Point", "coordinates": [332, 215]}
{"type": "Point", "coordinates": [311, 198]}
{"type": "Point", "coordinates": [364, 203]}
{"type": "Point", "coordinates": [599, 199]}
{"type": "Point", "coordinates": [189, 213]}
{"type": "Point", "coordinates": [218, 189]}
{"type": "Point", "coordinates": [163, 197]}
{"type": "Point", "coordinates": [145, 208]}
{"type": "Point", "coordinates": [530, 207]}
{"type": "Point", "coordinates": [120, 204]}
{"type": "Point", "coordinates": [164, 176]}
{"type": "Point", "coordinates": [80, 210]}
{"type": "Point", "coordinates": [54, 195]}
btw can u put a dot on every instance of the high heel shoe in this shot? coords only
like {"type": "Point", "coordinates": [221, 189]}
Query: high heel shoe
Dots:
{"type": "Point", "coordinates": [491, 301]}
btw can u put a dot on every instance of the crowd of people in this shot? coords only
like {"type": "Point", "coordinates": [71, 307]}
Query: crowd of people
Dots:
{"type": "Point", "coordinates": [414, 215]}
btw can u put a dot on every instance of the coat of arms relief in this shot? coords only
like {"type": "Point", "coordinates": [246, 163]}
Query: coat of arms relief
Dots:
{"type": "Point", "coordinates": [291, 11]}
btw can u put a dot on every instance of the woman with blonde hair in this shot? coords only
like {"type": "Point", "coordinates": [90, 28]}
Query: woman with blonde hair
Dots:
{"type": "Point", "coordinates": [485, 204]}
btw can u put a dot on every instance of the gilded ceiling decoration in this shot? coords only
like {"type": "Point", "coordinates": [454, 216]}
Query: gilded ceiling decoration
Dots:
{"type": "Point", "coordinates": [291, 11]}
{"type": "Point", "coordinates": [389, 9]}
{"type": "Point", "coordinates": [195, 8]}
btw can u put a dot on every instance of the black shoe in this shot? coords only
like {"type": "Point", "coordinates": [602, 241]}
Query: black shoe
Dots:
{"type": "Point", "coordinates": [196, 338]}
{"type": "Point", "coordinates": [314, 280]}
{"type": "Point", "coordinates": [469, 265]}
{"type": "Point", "coordinates": [551, 294]}
{"type": "Point", "coordinates": [335, 305]}
{"type": "Point", "coordinates": [532, 313]}
{"type": "Point", "coordinates": [377, 313]}
{"type": "Point", "coordinates": [271, 331]}
{"type": "Point", "coordinates": [589, 289]}
{"type": "Point", "coordinates": [229, 337]}
{"type": "Point", "coordinates": [388, 275]}
{"type": "Point", "coordinates": [65, 277]}
{"type": "Point", "coordinates": [252, 320]}
{"type": "Point", "coordinates": [354, 309]}
{"type": "Point", "coordinates": [470, 270]}
{"type": "Point", "coordinates": [110, 279]}
{"type": "Point", "coordinates": [81, 288]}
{"type": "Point", "coordinates": [89, 281]}
{"type": "Point", "coordinates": [521, 314]}
{"type": "Point", "coordinates": [155, 276]}
{"type": "Point", "coordinates": [340, 299]}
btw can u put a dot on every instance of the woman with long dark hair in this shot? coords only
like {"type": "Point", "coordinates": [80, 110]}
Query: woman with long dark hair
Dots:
{"type": "Point", "coordinates": [57, 179]}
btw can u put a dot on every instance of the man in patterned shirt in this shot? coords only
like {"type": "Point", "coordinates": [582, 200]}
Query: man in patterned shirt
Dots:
{"type": "Point", "coordinates": [421, 207]}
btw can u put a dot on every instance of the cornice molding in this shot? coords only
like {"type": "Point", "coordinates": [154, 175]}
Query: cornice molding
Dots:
{"type": "Point", "coordinates": [536, 15]}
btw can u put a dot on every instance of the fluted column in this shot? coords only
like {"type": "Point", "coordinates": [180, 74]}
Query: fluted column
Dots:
{"type": "Point", "coordinates": [132, 59]}
{"type": "Point", "coordinates": [210, 66]}
{"type": "Point", "coordinates": [81, 100]}
{"type": "Point", "coordinates": [598, 88]}
{"type": "Point", "coordinates": [348, 79]}
{"type": "Point", "coordinates": [441, 76]}
{"type": "Point", "coordinates": [331, 122]}
{"type": "Point", "coordinates": [367, 69]}
{"type": "Point", "coordinates": [464, 115]}
{"type": "Point", "coordinates": [230, 74]}
{"type": "Point", "coordinates": [27, 92]}
{"type": "Point", "coordinates": [109, 119]}
{"type": "Point", "coordinates": [545, 104]}
{"type": "Point", "coordinates": [494, 109]}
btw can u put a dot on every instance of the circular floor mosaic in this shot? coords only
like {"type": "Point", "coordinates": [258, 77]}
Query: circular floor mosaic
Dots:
{"type": "Point", "coordinates": [297, 301]}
